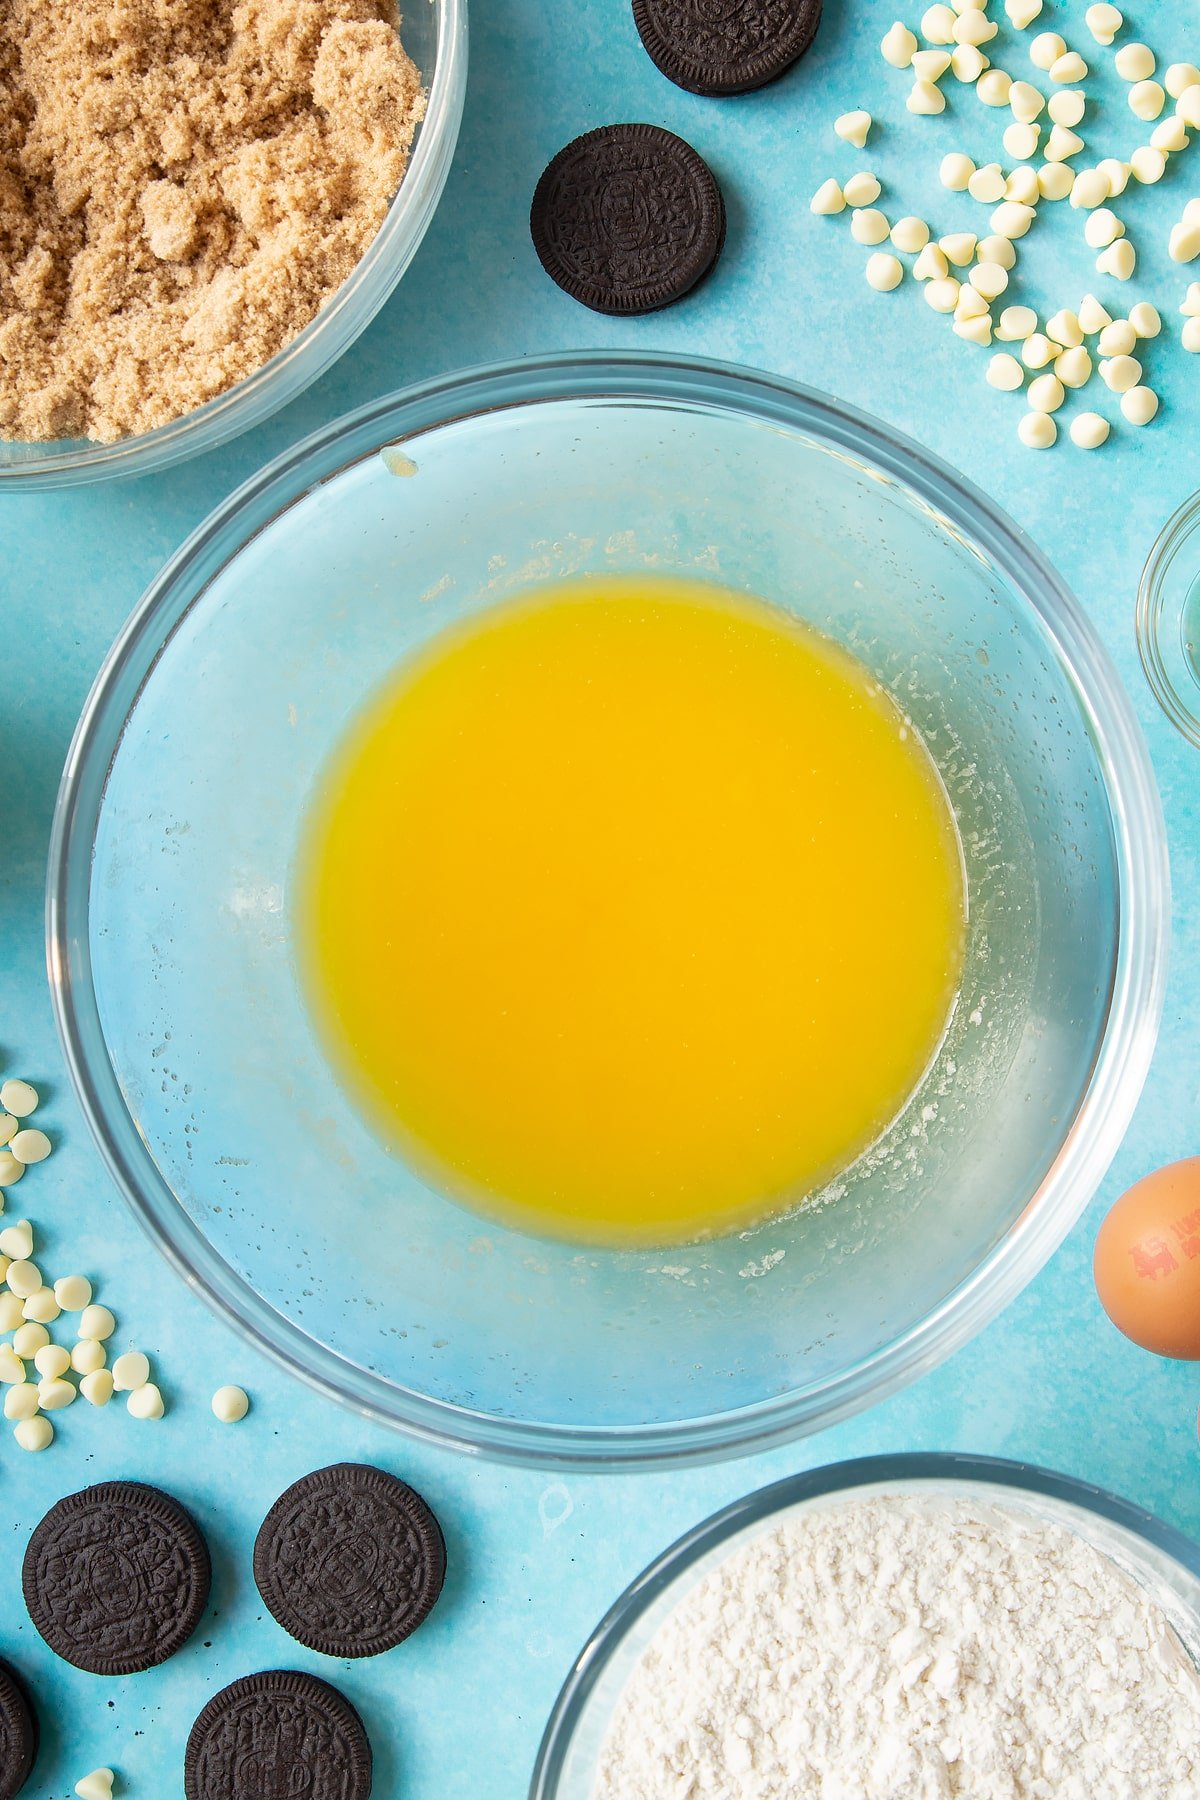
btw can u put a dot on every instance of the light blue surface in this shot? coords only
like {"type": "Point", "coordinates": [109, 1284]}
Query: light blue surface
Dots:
{"type": "Point", "coordinates": [534, 1561]}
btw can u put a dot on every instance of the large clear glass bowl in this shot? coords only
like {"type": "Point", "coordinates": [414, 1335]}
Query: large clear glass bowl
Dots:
{"type": "Point", "coordinates": [435, 36]}
{"type": "Point", "coordinates": [170, 943]}
{"type": "Point", "coordinates": [1168, 619]}
{"type": "Point", "coordinates": [1162, 1560]}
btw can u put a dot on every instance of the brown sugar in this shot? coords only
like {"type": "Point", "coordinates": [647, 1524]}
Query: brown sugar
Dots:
{"type": "Point", "coordinates": [183, 184]}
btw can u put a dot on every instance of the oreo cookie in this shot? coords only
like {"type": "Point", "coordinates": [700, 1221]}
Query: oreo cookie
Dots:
{"type": "Point", "coordinates": [278, 1733]}
{"type": "Point", "coordinates": [719, 47]}
{"type": "Point", "coordinates": [350, 1560]}
{"type": "Point", "coordinates": [116, 1578]}
{"type": "Point", "coordinates": [18, 1733]}
{"type": "Point", "coordinates": [627, 219]}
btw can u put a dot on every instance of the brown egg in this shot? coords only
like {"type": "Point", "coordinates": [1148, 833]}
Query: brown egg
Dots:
{"type": "Point", "coordinates": [1147, 1262]}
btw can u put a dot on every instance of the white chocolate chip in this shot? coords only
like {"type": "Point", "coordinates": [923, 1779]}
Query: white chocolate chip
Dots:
{"type": "Point", "coordinates": [1062, 143]}
{"type": "Point", "coordinates": [884, 271]}
{"type": "Point", "coordinates": [1185, 248]}
{"type": "Point", "coordinates": [1190, 336]}
{"type": "Point", "coordinates": [1067, 106]}
{"type": "Point", "coordinates": [1001, 250]}
{"type": "Point", "coordinates": [1005, 372]}
{"type": "Point", "coordinates": [12, 1312]}
{"type": "Point", "coordinates": [42, 1306]}
{"type": "Point", "coordinates": [1021, 141]}
{"type": "Point", "coordinates": [971, 304]}
{"type": "Point", "coordinates": [1046, 393]}
{"type": "Point", "coordinates": [1093, 317]}
{"type": "Point", "coordinates": [28, 1339]}
{"type": "Point", "coordinates": [73, 1292]}
{"type": "Point", "coordinates": [1120, 373]}
{"type": "Point", "coordinates": [1146, 99]}
{"type": "Point", "coordinates": [1117, 339]}
{"type": "Point", "coordinates": [971, 29]}
{"type": "Point", "coordinates": [854, 127]}
{"type": "Point", "coordinates": [930, 65]}
{"type": "Point", "coordinates": [910, 235]}
{"type": "Point", "coordinates": [11, 1170]}
{"type": "Point", "coordinates": [1022, 12]}
{"type": "Point", "coordinates": [937, 25]}
{"type": "Point", "coordinates": [1046, 49]}
{"type": "Point", "coordinates": [967, 62]}
{"type": "Point", "coordinates": [987, 184]}
{"type": "Point", "coordinates": [1119, 260]}
{"type": "Point", "coordinates": [1065, 329]}
{"type": "Point", "coordinates": [1089, 430]}
{"type": "Point", "coordinates": [1139, 405]}
{"type": "Point", "coordinates": [1011, 219]}
{"type": "Point", "coordinates": [898, 46]}
{"type": "Point", "coordinates": [130, 1371]}
{"type": "Point", "coordinates": [1090, 189]}
{"type": "Point", "coordinates": [1102, 228]}
{"type": "Point", "coordinates": [12, 1369]}
{"type": "Point", "coordinates": [1180, 77]}
{"type": "Point", "coordinates": [1117, 174]}
{"type": "Point", "coordinates": [861, 189]}
{"type": "Point", "coordinates": [30, 1146]}
{"type": "Point", "coordinates": [828, 198]}
{"type": "Point", "coordinates": [925, 98]}
{"type": "Point", "coordinates": [16, 1240]}
{"type": "Point", "coordinates": [989, 279]}
{"type": "Point", "coordinates": [145, 1402]}
{"type": "Point", "coordinates": [1069, 68]}
{"type": "Point", "coordinates": [931, 265]}
{"type": "Point", "coordinates": [956, 171]}
{"type": "Point", "coordinates": [96, 1786]}
{"type": "Point", "coordinates": [24, 1278]}
{"type": "Point", "coordinates": [1188, 106]}
{"type": "Point", "coordinates": [230, 1404]}
{"type": "Point", "coordinates": [1026, 101]}
{"type": "Point", "coordinates": [1055, 180]}
{"type": "Point", "coordinates": [1074, 367]}
{"type": "Point", "coordinates": [1190, 308]}
{"type": "Point", "coordinates": [34, 1434]}
{"type": "Point", "coordinates": [8, 1126]}
{"type": "Point", "coordinates": [88, 1356]}
{"type": "Point", "coordinates": [96, 1322]}
{"type": "Point", "coordinates": [868, 225]}
{"type": "Point", "coordinates": [1147, 164]}
{"type": "Point", "coordinates": [1169, 136]}
{"type": "Point", "coordinates": [18, 1098]}
{"type": "Point", "coordinates": [976, 329]}
{"type": "Point", "coordinates": [51, 1361]}
{"type": "Point", "coordinates": [1135, 62]}
{"type": "Point", "coordinates": [994, 87]}
{"type": "Point", "coordinates": [54, 1395]}
{"type": "Point", "coordinates": [959, 247]}
{"type": "Point", "coordinates": [1016, 324]}
{"type": "Point", "coordinates": [1145, 319]}
{"type": "Point", "coordinates": [1022, 186]}
{"type": "Point", "coordinates": [1037, 350]}
{"type": "Point", "coordinates": [1103, 22]}
{"type": "Point", "coordinates": [942, 295]}
{"type": "Point", "coordinates": [21, 1401]}
{"type": "Point", "coordinates": [1037, 431]}
{"type": "Point", "coordinates": [97, 1387]}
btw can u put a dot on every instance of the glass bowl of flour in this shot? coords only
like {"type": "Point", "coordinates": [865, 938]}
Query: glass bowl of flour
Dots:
{"type": "Point", "coordinates": [896, 1628]}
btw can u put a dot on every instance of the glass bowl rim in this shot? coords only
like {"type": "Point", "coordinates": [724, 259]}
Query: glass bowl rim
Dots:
{"type": "Point", "coordinates": [326, 337]}
{"type": "Point", "coordinates": [1138, 978]}
{"type": "Point", "coordinates": [1150, 618]}
{"type": "Point", "coordinates": [1006, 1475]}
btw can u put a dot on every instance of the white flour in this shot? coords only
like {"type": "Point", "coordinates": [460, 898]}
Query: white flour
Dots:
{"type": "Point", "coordinates": [896, 1649]}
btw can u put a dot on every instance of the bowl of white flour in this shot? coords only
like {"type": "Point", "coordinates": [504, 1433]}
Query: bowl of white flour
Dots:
{"type": "Point", "coordinates": [897, 1628]}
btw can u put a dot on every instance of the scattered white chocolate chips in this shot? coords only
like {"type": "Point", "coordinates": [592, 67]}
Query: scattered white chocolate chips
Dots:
{"type": "Point", "coordinates": [230, 1404]}
{"type": "Point", "coordinates": [1135, 62]}
{"type": "Point", "coordinates": [899, 46]}
{"type": "Point", "coordinates": [73, 1292]}
{"type": "Point", "coordinates": [1037, 431]}
{"type": "Point", "coordinates": [1120, 373]}
{"type": "Point", "coordinates": [98, 1785]}
{"type": "Point", "coordinates": [1045, 393]}
{"type": "Point", "coordinates": [1119, 260]}
{"type": "Point", "coordinates": [1088, 430]}
{"type": "Point", "coordinates": [910, 235]}
{"type": "Point", "coordinates": [97, 1387]}
{"type": "Point", "coordinates": [1046, 49]}
{"type": "Point", "coordinates": [854, 127]}
{"type": "Point", "coordinates": [884, 271]}
{"type": "Point", "coordinates": [18, 1098]}
{"type": "Point", "coordinates": [868, 225]}
{"type": "Point", "coordinates": [1139, 405]}
{"type": "Point", "coordinates": [36, 1433]}
{"type": "Point", "coordinates": [828, 198]}
{"type": "Point", "coordinates": [96, 1322]}
{"type": "Point", "coordinates": [956, 171]}
{"type": "Point", "coordinates": [861, 189]}
{"type": "Point", "coordinates": [1103, 22]}
{"type": "Point", "coordinates": [145, 1402]}
{"type": "Point", "coordinates": [132, 1370]}
{"type": "Point", "coordinates": [1005, 372]}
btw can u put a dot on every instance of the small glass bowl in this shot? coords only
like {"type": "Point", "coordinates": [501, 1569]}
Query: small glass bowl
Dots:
{"type": "Point", "coordinates": [1168, 619]}
{"type": "Point", "coordinates": [435, 36]}
{"type": "Point", "coordinates": [1164, 1562]}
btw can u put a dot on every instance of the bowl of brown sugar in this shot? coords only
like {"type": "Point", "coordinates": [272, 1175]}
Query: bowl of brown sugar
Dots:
{"type": "Point", "coordinates": [202, 204]}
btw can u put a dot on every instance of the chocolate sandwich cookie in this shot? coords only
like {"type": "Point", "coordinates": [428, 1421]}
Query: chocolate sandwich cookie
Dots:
{"type": "Point", "coordinates": [719, 47]}
{"type": "Point", "coordinates": [627, 219]}
{"type": "Point", "coordinates": [350, 1560]}
{"type": "Point", "coordinates": [18, 1733]}
{"type": "Point", "coordinates": [116, 1578]}
{"type": "Point", "coordinates": [278, 1733]}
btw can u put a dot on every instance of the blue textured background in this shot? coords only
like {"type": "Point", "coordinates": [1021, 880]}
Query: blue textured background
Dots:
{"type": "Point", "coordinates": [534, 1560]}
